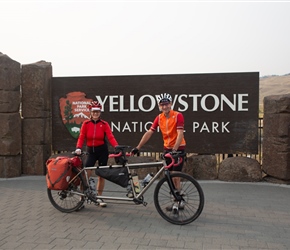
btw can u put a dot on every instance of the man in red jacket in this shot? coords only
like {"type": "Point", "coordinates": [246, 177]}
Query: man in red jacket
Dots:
{"type": "Point", "coordinates": [94, 132]}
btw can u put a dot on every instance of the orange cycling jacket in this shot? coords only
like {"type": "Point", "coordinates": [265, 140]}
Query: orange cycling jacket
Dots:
{"type": "Point", "coordinates": [169, 127]}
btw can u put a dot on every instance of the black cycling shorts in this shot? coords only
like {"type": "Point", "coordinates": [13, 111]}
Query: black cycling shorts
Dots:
{"type": "Point", "coordinates": [100, 154]}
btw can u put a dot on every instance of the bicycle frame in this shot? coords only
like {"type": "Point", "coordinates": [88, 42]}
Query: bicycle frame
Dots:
{"type": "Point", "coordinates": [137, 197]}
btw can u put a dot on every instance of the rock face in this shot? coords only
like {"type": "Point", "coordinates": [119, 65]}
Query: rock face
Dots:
{"type": "Point", "coordinates": [201, 167]}
{"type": "Point", "coordinates": [36, 112]}
{"type": "Point", "coordinates": [10, 166]}
{"type": "Point", "coordinates": [10, 120]}
{"type": "Point", "coordinates": [10, 81]}
{"type": "Point", "coordinates": [241, 169]}
{"type": "Point", "coordinates": [10, 134]}
{"type": "Point", "coordinates": [276, 137]}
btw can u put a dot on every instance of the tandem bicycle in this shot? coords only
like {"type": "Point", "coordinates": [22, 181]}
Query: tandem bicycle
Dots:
{"type": "Point", "coordinates": [175, 206]}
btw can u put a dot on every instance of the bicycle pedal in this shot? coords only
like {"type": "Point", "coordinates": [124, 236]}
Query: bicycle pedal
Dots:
{"type": "Point", "coordinates": [145, 204]}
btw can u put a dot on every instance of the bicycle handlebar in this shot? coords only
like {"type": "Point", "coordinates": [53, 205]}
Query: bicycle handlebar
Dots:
{"type": "Point", "coordinates": [82, 153]}
{"type": "Point", "coordinates": [113, 155]}
{"type": "Point", "coordinates": [173, 156]}
{"type": "Point", "coordinates": [170, 155]}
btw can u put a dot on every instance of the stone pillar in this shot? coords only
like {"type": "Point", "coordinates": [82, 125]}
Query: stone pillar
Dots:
{"type": "Point", "coordinates": [10, 120]}
{"type": "Point", "coordinates": [36, 112]}
{"type": "Point", "coordinates": [276, 145]}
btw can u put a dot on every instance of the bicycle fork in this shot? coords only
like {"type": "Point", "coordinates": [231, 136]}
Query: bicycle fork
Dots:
{"type": "Point", "coordinates": [176, 194]}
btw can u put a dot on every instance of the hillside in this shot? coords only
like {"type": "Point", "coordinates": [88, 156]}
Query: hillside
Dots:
{"type": "Point", "coordinates": [273, 85]}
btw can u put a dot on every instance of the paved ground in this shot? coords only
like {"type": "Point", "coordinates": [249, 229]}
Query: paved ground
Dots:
{"type": "Point", "coordinates": [235, 216]}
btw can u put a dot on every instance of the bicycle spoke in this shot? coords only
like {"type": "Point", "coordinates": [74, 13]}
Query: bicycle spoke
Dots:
{"type": "Point", "coordinates": [65, 200]}
{"type": "Point", "coordinates": [190, 206]}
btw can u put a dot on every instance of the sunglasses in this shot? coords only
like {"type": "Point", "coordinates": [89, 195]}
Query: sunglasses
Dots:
{"type": "Point", "coordinates": [164, 104]}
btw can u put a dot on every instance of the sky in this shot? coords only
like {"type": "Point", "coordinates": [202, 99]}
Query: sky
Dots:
{"type": "Point", "coordinates": [93, 38]}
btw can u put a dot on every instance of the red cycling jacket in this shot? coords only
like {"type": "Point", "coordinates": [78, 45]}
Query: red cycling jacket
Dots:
{"type": "Point", "coordinates": [94, 132]}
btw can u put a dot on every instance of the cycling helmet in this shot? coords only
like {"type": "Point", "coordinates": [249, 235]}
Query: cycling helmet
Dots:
{"type": "Point", "coordinates": [94, 106]}
{"type": "Point", "coordinates": [164, 98]}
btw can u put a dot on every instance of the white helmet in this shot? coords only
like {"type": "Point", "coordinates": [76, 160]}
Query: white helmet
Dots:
{"type": "Point", "coordinates": [163, 98]}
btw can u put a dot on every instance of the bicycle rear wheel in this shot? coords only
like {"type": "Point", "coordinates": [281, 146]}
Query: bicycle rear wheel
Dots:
{"type": "Point", "coordinates": [192, 200]}
{"type": "Point", "coordinates": [68, 200]}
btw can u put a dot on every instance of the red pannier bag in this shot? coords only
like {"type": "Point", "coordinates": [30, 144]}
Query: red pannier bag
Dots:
{"type": "Point", "coordinates": [59, 172]}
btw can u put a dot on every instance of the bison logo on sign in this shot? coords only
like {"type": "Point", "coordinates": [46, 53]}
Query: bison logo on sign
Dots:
{"type": "Point", "coordinates": [74, 111]}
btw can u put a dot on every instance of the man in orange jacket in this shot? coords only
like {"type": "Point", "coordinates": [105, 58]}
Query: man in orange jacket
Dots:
{"type": "Point", "coordinates": [171, 124]}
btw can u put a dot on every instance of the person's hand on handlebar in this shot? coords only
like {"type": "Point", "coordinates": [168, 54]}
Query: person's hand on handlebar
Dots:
{"type": "Point", "coordinates": [173, 151]}
{"type": "Point", "coordinates": [78, 151]}
{"type": "Point", "coordinates": [134, 151]}
{"type": "Point", "coordinates": [118, 151]}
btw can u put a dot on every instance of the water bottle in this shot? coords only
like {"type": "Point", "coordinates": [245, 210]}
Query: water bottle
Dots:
{"type": "Point", "coordinates": [129, 190]}
{"type": "Point", "coordinates": [147, 179]}
{"type": "Point", "coordinates": [136, 184]}
{"type": "Point", "coordinates": [92, 185]}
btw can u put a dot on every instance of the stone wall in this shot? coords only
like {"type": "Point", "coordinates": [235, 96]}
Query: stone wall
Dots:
{"type": "Point", "coordinates": [26, 137]}
{"type": "Point", "coordinates": [36, 112]}
{"type": "Point", "coordinates": [10, 125]}
{"type": "Point", "coordinates": [276, 144]}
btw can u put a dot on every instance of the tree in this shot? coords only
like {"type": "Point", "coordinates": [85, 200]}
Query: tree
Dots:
{"type": "Point", "coordinates": [68, 115]}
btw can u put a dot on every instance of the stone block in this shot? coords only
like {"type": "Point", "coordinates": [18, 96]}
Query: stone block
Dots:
{"type": "Point", "coordinates": [9, 101]}
{"type": "Point", "coordinates": [277, 104]}
{"type": "Point", "coordinates": [202, 167]}
{"type": "Point", "coordinates": [10, 74]}
{"type": "Point", "coordinates": [10, 166]}
{"type": "Point", "coordinates": [36, 89]}
{"type": "Point", "coordinates": [275, 145]}
{"type": "Point", "coordinates": [34, 158]}
{"type": "Point", "coordinates": [241, 169]}
{"type": "Point", "coordinates": [40, 128]}
{"type": "Point", "coordinates": [276, 125]}
{"type": "Point", "coordinates": [276, 163]}
{"type": "Point", "coordinates": [276, 137]}
{"type": "Point", "coordinates": [10, 134]}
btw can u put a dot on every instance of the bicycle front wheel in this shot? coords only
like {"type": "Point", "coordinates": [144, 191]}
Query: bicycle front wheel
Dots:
{"type": "Point", "coordinates": [185, 211]}
{"type": "Point", "coordinates": [68, 200]}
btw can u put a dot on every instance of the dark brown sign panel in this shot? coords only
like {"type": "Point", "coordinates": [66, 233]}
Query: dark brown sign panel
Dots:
{"type": "Point", "coordinates": [220, 110]}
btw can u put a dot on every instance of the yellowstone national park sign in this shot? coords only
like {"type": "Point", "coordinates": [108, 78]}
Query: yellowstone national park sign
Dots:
{"type": "Point", "coordinates": [220, 110]}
